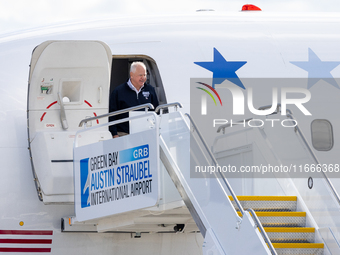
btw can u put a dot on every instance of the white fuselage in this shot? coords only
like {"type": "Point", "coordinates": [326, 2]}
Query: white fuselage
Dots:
{"type": "Point", "coordinates": [268, 43]}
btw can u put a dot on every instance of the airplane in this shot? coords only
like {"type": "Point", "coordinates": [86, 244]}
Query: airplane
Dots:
{"type": "Point", "coordinates": [241, 157]}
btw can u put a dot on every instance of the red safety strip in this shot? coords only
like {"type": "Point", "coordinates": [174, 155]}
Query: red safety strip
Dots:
{"type": "Point", "coordinates": [25, 241]}
{"type": "Point", "coordinates": [26, 232]}
{"type": "Point", "coordinates": [30, 241]}
{"type": "Point", "coordinates": [25, 250]}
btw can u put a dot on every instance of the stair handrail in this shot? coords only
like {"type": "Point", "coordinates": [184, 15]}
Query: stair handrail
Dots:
{"type": "Point", "coordinates": [299, 131]}
{"type": "Point", "coordinates": [110, 114]}
{"type": "Point", "coordinates": [216, 164]}
{"type": "Point", "coordinates": [265, 107]}
{"type": "Point", "coordinates": [229, 124]}
{"type": "Point", "coordinates": [289, 114]}
{"type": "Point", "coordinates": [278, 109]}
{"type": "Point", "coordinates": [161, 107]}
{"type": "Point", "coordinates": [263, 233]}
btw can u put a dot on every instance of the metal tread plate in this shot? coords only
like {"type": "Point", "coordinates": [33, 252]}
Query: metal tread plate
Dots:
{"type": "Point", "coordinates": [282, 219]}
{"type": "Point", "coordinates": [290, 235]}
{"type": "Point", "coordinates": [299, 248]}
{"type": "Point", "coordinates": [267, 203]}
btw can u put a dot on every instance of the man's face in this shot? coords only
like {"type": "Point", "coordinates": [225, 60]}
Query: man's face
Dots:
{"type": "Point", "coordinates": [138, 78]}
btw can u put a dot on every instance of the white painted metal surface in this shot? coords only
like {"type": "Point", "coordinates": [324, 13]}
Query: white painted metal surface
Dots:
{"type": "Point", "coordinates": [268, 42]}
{"type": "Point", "coordinates": [64, 84]}
{"type": "Point", "coordinates": [206, 198]}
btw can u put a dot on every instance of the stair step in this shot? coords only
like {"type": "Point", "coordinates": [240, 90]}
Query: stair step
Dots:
{"type": "Point", "coordinates": [284, 226]}
{"type": "Point", "coordinates": [290, 235]}
{"type": "Point", "coordinates": [267, 203]}
{"type": "Point", "coordinates": [281, 219]}
{"type": "Point", "coordinates": [299, 248]}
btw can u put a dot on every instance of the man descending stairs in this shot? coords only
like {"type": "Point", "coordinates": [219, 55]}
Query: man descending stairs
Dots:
{"type": "Point", "coordinates": [285, 227]}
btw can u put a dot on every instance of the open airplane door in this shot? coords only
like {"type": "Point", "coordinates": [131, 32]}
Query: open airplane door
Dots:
{"type": "Point", "coordinates": [69, 81]}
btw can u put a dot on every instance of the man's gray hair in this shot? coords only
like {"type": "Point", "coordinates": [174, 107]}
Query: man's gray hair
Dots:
{"type": "Point", "coordinates": [134, 65]}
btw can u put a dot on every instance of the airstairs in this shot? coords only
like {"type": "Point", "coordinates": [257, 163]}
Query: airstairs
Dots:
{"type": "Point", "coordinates": [282, 221]}
{"type": "Point", "coordinates": [283, 224]}
{"type": "Point", "coordinates": [147, 182]}
{"type": "Point", "coordinates": [315, 197]}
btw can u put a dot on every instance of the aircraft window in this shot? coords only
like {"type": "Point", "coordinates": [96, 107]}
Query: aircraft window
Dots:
{"type": "Point", "coordinates": [120, 73]}
{"type": "Point", "coordinates": [322, 135]}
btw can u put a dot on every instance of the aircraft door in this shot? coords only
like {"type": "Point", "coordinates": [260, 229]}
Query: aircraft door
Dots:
{"type": "Point", "coordinates": [69, 81]}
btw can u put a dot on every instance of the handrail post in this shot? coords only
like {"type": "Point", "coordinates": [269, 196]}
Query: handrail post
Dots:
{"type": "Point", "coordinates": [110, 114]}
{"type": "Point", "coordinates": [161, 107]}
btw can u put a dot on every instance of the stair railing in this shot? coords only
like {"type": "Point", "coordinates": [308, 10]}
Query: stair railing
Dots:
{"type": "Point", "coordinates": [263, 233]}
{"type": "Point", "coordinates": [110, 114]}
{"type": "Point", "coordinates": [216, 164]}
{"type": "Point", "coordinates": [297, 129]}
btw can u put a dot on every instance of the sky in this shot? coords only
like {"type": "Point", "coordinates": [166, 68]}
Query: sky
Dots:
{"type": "Point", "coordinates": [16, 15]}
